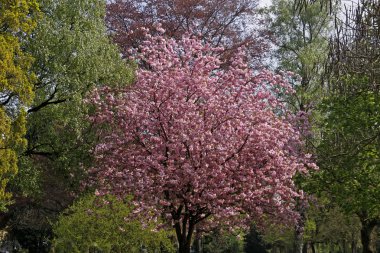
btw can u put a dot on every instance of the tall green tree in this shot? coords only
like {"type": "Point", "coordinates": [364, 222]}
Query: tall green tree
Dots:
{"type": "Point", "coordinates": [349, 149]}
{"type": "Point", "coordinates": [301, 38]}
{"type": "Point", "coordinates": [349, 157]}
{"type": "Point", "coordinates": [73, 54]}
{"type": "Point", "coordinates": [17, 20]}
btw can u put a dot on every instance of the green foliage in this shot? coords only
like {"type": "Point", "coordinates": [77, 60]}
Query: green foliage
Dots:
{"type": "Point", "coordinates": [349, 149]}
{"type": "Point", "coordinates": [101, 224]}
{"type": "Point", "coordinates": [73, 54]}
{"type": "Point", "coordinates": [253, 242]}
{"type": "Point", "coordinates": [302, 37]}
{"type": "Point", "coordinates": [16, 15]}
{"type": "Point", "coordinates": [335, 226]}
{"type": "Point", "coordinates": [223, 242]}
{"type": "Point", "coordinates": [349, 152]}
{"type": "Point", "coordinates": [279, 236]}
{"type": "Point", "coordinates": [348, 156]}
{"type": "Point", "coordinates": [302, 40]}
{"type": "Point", "coordinates": [17, 20]}
{"type": "Point", "coordinates": [325, 224]}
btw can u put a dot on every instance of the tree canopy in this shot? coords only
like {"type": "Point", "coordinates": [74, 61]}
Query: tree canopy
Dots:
{"type": "Point", "coordinates": [220, 22]}
{"type": "Point", "coordinates": [72, 54]}
{"type": "Point", "coordinates": [196, 141]}
{"type": "Point", "coordinates": [17, 18]}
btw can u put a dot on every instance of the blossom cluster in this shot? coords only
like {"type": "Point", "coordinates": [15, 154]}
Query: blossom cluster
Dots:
{"type": "Point", "coordinates": [190, 137]}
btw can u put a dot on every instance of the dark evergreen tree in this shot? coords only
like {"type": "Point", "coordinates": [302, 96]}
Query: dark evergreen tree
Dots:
{"type": "Point", "coordinates": [254, 242]}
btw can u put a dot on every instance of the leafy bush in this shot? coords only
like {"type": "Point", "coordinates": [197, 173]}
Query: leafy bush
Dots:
{"type": "Point", "coordinates": [222, 242]}
{"type": "Point", "coordinates": [95, 224]}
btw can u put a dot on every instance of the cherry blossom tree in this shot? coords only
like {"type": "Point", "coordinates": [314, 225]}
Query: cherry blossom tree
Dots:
{"type": "Point", "coordinates": [197, 143]}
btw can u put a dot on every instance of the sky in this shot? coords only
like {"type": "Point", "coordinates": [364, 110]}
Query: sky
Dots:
{"type": "Point", "coordinates": [348, 3]}
{"type": "Point", "coordinates": [264, 3]}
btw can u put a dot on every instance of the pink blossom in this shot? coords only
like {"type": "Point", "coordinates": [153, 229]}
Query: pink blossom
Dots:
{"type": "Point", "coordinates": [197, 141]}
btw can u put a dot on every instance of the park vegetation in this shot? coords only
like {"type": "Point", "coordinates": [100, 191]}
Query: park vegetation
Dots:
{"type": "Point", "coordinates": [207, 126]}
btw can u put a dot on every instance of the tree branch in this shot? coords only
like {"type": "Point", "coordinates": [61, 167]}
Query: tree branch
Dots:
{"type": "Point", "coordinates": [238, 151]}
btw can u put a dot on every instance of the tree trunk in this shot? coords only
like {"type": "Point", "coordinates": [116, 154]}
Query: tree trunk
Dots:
{"type": "Point", "coordinates": [300, 227]}
{"type": "Point", "coordinates": [304, 248]}
{"type": "Point", "coordinates": [298, 241]}
{"type": "Point", "coordinates": [312, 245]}
{"type": "Point", "coordinates": [365, 234]}
{"type": "Point", "coordinates": [353, 246]}
{"type": "Point", "coordinates": [184, 248]}
{"type": "Point", "coordinates": [184, 234]}
{"type": "Point", "coordinates": [197, 242]}
{"type": "Point", "coordinates": [345, 246]}
{"type": "Point", "coordinates": [365, 240]}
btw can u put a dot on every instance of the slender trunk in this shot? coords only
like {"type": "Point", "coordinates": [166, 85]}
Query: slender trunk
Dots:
{"type": "Point", "coordinates": [365, 241]}
{"type": "Point", "coordinates": [299, 241]}
{"type": "Point", "coordinates": [300, 227]}
{"type": "Point", "coordinates": [304, 248]}
{"type": "Point", "coordinates": [344, 246]}
{"type": "Point", "coordinates": [312, 245]}
{"type": "Point", "coordinates": [198, 242]}
{"type": "Point", "coordinates": [353, 246]}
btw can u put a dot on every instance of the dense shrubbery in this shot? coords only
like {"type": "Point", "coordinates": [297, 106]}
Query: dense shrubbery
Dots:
{"type": "Point", "coordinates": [104, 224]}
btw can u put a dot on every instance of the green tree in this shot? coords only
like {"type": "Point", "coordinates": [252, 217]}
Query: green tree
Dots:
{"type": "Point", "coordinates": [326, 228]}
{"type": "Point", "coordinates": [73, 54]}
{"type": "Point", "coordinates": [221, 241]}
{"type": "Point", "coordinates": [253, 242]}
{"type": "Point", "coordinates": [349, 157]}
{"type": "Point", "coordinates": [301, 37]}
{"type": "Point", "coordinates": [17, 19]}
{"type": "Point", "coordinates": [334, 228]}
{"type": "Point", "coordinates": [279, 237]}
{"type": "Point", "coordinates": [349, 149]}
{"type": "Point", "coordinates": [104, 224]}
